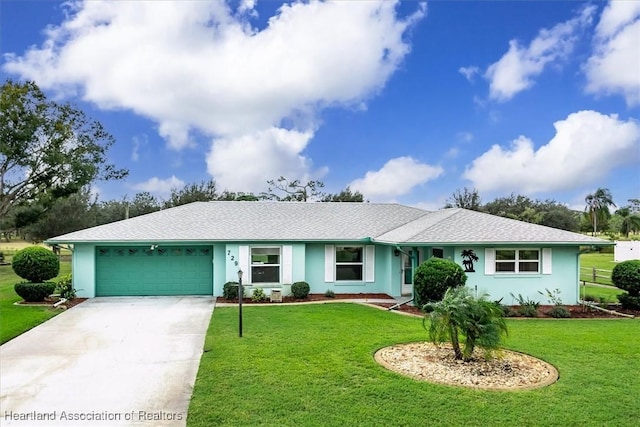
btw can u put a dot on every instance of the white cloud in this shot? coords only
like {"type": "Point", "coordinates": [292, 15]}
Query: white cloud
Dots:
{"type": "Point", "coordinates": [587, 146]}
{"type": "Point", "coordinates": [469, 72]}
{"type": "Point", "coordinates": [245, 163]}
{"type": "Point", "coordinates": [138, 142]}
{"type": "Point", "coordinates": [200, 65]}
{"type": "Point", "coordinates": [465, 136]}
{"type": "Point", "coordinates": [397, 177]}
{"type": "Point", "coordinates": [160, 187]}
{"type": "Point", "coordinates": [452, 153]}
{"type": "Point", "coordinates": [514, 72]}
{"type": "Point", "coordinates": [614, 67]}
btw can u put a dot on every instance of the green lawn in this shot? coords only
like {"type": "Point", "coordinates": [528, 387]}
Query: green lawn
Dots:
{"type": "Point", "coordinates": [601, 294]}
{"type": "Point", "coordinates": [600, 262]}
{"type": "Point", "coordinates": [16, 320]}
{"type": "Point", "coordinates": [313, 366]}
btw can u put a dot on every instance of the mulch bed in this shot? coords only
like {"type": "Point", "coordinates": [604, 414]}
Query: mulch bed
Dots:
{"type": "Point", "coordinates": [50, 301]}
{"type": "Point", "coordinates": [310, 298]}
{"type": "Point", "coordinates": [577, 311]}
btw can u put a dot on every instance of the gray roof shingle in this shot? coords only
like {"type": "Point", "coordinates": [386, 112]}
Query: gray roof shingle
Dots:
{"type": "Point", "coordinates": [241, 221]}
{"type": "Point", "coordinates": [465, 226]}
{"type": "Point", "coordinates": [291, 221]}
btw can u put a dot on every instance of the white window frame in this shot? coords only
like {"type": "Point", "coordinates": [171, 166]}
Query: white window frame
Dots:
{"type": "Point", "coordinates": [361, 263]}
{"type": "Point", "coordinates": [252, 265]}
{"type": "Point", "coordinates": [517, 261]}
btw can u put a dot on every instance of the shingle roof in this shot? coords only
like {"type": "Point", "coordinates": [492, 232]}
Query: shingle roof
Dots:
{"type": "Point", "coordinates": [291, 221]}
{"type": "Point", "coordinates": [241, 221]}
{"type": "Point", "coordinates": [465, 226]}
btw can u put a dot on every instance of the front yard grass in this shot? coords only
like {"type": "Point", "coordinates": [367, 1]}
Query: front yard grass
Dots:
{"type": "Point", "coordinates": [605, 294]}
{"type": "Point", "coordinates": [313, 366]}
{"type": "Point", "coordinates": [16, 320]}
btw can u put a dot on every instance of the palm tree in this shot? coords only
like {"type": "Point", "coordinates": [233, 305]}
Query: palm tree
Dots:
{"type": "Point", "coordinates": [597, 204]}
{"type": "Point", "coordinates": [630, 222]}
{"type": "Point", "coordinates": [478, 321]}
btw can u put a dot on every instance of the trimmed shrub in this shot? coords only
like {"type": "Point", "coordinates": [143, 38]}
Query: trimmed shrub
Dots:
{"type": "Point", "coordinates": [626, 276]}
{"type": "Point", "coordinates": [34, 292]}
{"type": "Point", "coordinates": [330, 294]}
{"type": "Point", "coordinates": [258, 295]}
{"type": "Point", "coordinates": [36, 264]}
{"type": "Point", "coordinates": [230, 290]}
{"type": "Point", "coordinates": [433, 277]}
{"type": "Point", "coordinates": [300, 290]}
{"type": "Point", "coordinates": [628, 302]}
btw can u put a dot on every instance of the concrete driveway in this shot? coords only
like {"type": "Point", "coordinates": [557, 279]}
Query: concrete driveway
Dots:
{"type": "Point", "coordinates": [106, 362]}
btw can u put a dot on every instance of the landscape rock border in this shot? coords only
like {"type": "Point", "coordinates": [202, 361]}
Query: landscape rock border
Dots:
{"type": "Point", "coordinates": [508, 371]}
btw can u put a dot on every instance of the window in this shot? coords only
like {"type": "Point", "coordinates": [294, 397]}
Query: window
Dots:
{"type": "Point", "coordinates": [265, 265]}
{"type": "Point", "coordinates": [517, 261]}
{"type": "Point", "coordinates": [349, 263]}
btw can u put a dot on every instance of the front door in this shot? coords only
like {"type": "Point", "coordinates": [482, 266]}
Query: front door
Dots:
{"type": "Point", "coordinates": [407, 273]}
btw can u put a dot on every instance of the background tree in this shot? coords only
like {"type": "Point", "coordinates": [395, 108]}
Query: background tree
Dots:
{"type": "Point", "coordinates": [560, 216]}
{"type": "Point", "coordinates": [629, 223]}
{"type": "Point", "coordinates": [345, 195]}
{"type": "Point", "coordinates": [66, 214]}
{"type": "Point", "coordinates": [47, 150]}
{"type": "Point", "coordinates": [634, 206]}
{"type": "Point", "coordinates": [597, 206]}
{"type": "Point", "coordinates": [513, 206]}
{"type": "Point", "coordinates": [205, 191]}
{"type": "Point", "coordinates": [284, 190]}
{"type": "Point", "coordinates": [465, 198]}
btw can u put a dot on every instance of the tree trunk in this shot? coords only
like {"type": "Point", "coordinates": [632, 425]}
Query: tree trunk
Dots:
{"type": "Point", "coordinates": [453, 331]}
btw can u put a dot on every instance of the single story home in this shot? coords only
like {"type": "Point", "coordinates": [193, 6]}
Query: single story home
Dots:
{"type": "Point", "coordinates": [344, 247]}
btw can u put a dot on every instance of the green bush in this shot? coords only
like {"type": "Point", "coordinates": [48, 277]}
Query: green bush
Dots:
{"type": "Point", "coordinates": [528, 307]}
{"type": "Point", "coordinates": [626, 276]}
{"type": "Point", "coordinates": [629, 302]}
{"type": "Point", "coordinates": [258, 295]}
{"type": "Point", "coordinates": [65, 287]}
{"type": "Point", "coordinates": [330, 294]}
{"type": "Point", "coordinates": [300, 290]}
{"type": "Point", "coordinates": [559, 312]}
{"type": "Point", "coordinates": [36, 264]}
{"type": "Point", "coordinates": [433, 277]}
{"type": "Point", "coordinates": [34, 292]}
{"type": "Point", "coordinates": [230, 290]}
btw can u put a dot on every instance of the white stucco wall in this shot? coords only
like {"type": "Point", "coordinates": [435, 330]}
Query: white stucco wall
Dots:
{"type": "Point", "coordinates": [624, 251]}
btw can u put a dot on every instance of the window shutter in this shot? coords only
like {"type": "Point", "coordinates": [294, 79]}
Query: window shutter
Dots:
{"type": "Point", "coordinates": [243, 262]}
{"type": "Point", "coordinates": [369, 263]}
{"type": "Point", "coordinates": [329, 263]}
{"type": "Point", "coordinates": [287, 264]}
{"type": "Point", "coordinates": [546, 260]}
{"type": "Point", "coordinates": [489, 261]}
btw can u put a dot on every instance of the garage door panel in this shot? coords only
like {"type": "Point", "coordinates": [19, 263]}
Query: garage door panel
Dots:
{"type": "Point", "coordinates": [167, 270]}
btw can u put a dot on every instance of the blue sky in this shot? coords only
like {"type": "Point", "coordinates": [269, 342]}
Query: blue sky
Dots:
{"type": "Point", "coordinates": [405, 102]}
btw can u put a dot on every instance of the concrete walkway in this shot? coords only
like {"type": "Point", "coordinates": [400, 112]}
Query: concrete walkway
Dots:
{"type": "Point", "coordinates": [106, 362]}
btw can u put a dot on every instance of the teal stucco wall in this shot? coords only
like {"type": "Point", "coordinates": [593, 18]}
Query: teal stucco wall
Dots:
{"type": "Point", "coordinates": [83, 270]}
{"type": "Point", "coordinates": [563, 276]}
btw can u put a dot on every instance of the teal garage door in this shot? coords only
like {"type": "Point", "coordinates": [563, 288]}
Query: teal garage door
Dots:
{"type": "Point", "coordinates": [165, 270]}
